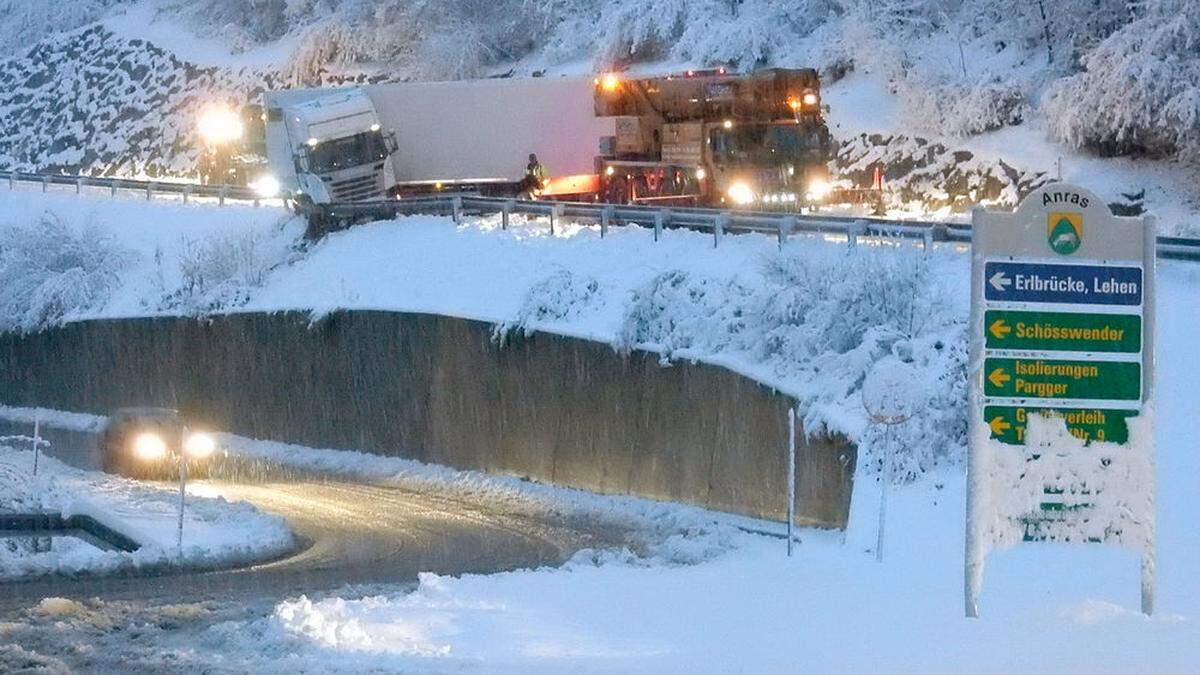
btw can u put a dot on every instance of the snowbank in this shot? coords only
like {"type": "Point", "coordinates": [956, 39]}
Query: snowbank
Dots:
{"type": "Point", "coordinates": [216, 532]}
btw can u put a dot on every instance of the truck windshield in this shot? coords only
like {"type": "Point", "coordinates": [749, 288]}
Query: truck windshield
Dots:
{"type": "Point", "coordinates": [343, 153]}
{"type": "Point", "coordinates": [768, 145]}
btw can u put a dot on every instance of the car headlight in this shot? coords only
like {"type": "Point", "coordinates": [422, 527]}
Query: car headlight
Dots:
{"type": "Point", "coordinates": [266, 186]}
{"type": "Point", "coordinates": [149, 447]}
{"type": "Point", "coordinates": [199, 445]}
{"type": "Point", "coordinates": [818, 189]}
{"type": "Point", "coordinates": [740, 193]}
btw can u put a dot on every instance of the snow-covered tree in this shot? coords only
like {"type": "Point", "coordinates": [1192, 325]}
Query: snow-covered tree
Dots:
{"type": "Point", "coordinates": [23, 22]}
{"type": "Point", "coordinates": [1140, 87]}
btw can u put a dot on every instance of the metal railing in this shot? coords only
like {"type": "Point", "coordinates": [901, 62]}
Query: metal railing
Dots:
{"type": "Point", "coordinates": [150, 188]}
{"type": "Point", "coordinates": [717, 221]}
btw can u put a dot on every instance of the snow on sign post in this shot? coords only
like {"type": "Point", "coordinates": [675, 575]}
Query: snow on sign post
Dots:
{"type": "Point", "coordinates": [1062, 335]}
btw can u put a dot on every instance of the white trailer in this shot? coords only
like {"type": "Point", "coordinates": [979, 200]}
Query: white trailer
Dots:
{"type": "Point", "coordinates": [465, 133]}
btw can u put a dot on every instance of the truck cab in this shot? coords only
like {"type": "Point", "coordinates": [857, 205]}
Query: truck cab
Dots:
{"type": "Point", "coordinates": [715, 138]}
{"type": "Point", "coordinates": [329, 149]}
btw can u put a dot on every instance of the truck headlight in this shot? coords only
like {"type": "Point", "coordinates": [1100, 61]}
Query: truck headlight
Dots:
{"type": "Point", "coordinates": [818, 190]}
{"type": "Point", "coordinates": [740, 193]}
{"type": "Point", "coordinates": [266, 186]}
{"type": "Point", "coordinates": [199, 445]}
{"type": "Point", "coordinates": [149, 447]}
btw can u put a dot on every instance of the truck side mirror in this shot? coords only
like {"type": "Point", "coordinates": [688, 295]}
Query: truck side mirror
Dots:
{"type": "Point", "coordinates": [389, 142]}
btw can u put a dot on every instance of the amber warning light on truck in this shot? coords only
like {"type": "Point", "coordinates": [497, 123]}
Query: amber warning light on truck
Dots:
{"type": "Point", "coordinates": [608, 82]}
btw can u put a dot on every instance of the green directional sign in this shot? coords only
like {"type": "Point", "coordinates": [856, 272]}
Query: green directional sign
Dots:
{"type": "Point", "coordinates": [1008, 423]}
{"type": "Point", "coordinates": [1056, 378]}
{"type": "Point", "coordinates": [1063, 331]}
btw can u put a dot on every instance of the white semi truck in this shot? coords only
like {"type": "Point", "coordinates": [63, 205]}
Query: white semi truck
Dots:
{"type": "Point", "coordinates": [373, 141]}
{"type": "Point", "coordinates": [714, 138]}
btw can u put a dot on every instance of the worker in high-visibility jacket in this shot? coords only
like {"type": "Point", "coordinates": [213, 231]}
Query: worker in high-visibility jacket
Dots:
{"type": "Point", "coordinates": [535, 178]}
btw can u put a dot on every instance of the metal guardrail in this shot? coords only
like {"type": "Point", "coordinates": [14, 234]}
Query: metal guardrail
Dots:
{"type": "Point", "coordinates": [53, 524]}
{"type": "Point", "coordinates": [717, 221]}
{"type": "Point", "coordinates": [149, 187]}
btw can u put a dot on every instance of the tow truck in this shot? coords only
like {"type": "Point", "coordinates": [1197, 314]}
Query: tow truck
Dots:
{"type": "Point", "coordinates": [714, 138]}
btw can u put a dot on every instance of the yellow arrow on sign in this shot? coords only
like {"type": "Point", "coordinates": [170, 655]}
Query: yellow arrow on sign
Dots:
{"type": "Point", "coordinates": [1000, 329]}
{"type": "Point", "coordinates": [998, 426]}
{"type": "Point", "coordinates": [998, 377]}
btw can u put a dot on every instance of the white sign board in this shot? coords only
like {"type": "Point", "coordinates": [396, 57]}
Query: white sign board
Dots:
{"type": "Point", "coordinates": [1061, 374]}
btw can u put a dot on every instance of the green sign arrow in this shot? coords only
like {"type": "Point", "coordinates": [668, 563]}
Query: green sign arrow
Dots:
{"type": "Point", "coordinates": [1007, 423]}
{"type": "Point", "coordinates": [1054, 378]}
{"type": "Point", "coordinates": [1063, 331]}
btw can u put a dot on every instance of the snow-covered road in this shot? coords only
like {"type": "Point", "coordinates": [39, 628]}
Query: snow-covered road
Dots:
{"type": "Point", "coordinates": [353, 533]}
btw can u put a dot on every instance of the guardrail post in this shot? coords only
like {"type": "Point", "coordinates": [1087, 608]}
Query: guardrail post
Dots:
{"type": "Point", "coordinates": [112, 187]}
{"type": "Point", "coordinates": [719, 224]}
{"type": "Point", "coordinates": [556, 211]}
{"type": "Point", "coordinates": [149, 191]}
{"type": "Point", "coordinates": [222, 194]}
{"type": "Point", "coordinates": [936, 232]}
{"type": "Point", "coordinates": [606, 215]}
{"type": "Point", "coordinates": [787, 225]}
{"type": "Point", "coordinates": [79, 185]}
{"type": "Point", "coordinates": [187, 190]}
{"type": "Point", "coordinates": [505, 211]}
{"type": "Point", "coordinates": [853, 232]}
{"type": "Point", "coordinates": [456, 211]}
{"type": "Point", "coordinates": [12, 179]}
{"type": "Point", "coordinates": [661, 218]}
{"type": "Point", "coordinates": [45, 183]}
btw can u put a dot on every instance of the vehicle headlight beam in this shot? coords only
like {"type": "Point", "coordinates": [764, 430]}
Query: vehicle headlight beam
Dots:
{"type": "Point", "coordinates": [149, 447]}
{"type": "Point", "coordinates": [741, 193]}
{"type": "Point", "coordinates": [199, 445]}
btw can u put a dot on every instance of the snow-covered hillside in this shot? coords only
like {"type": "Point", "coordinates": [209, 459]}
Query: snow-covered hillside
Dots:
{"type": "Point", "coordinates": [984, 99]}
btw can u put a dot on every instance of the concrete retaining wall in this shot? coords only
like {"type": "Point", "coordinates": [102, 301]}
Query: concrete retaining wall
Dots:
{"type": "Point", "coordinates": [438, 389]}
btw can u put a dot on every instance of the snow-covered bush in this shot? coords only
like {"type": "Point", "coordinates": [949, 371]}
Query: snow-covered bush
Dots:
{"type": "Point", "coordinates": [831, 320]}
{"type": "Point", "coordinates": [1140, 88]}
{"type": "Point", "coordinates": [561, 296]}
{"type": "Point", "coordinates": [676, 310]}
{"type": "Point", "coordinates": [966, 109]}
{"type": "Point", "coordinates": [49, 273]}
{"type": "Point", "coordinates": [825, 321]}
{"type": "Point", "coordinates": [218, 273]}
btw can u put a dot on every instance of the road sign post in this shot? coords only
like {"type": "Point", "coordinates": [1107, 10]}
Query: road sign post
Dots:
{"type": "Point", "coordinates": [889, 399]}
{"type": "Point", "coordinates": [1062, 323]}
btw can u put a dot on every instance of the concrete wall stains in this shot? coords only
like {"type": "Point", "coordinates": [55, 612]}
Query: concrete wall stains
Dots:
{"type": "Point", "coordinates": [439, 389]}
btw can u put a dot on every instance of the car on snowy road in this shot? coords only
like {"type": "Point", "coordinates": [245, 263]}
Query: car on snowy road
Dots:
{"type": "Point", "coordinates": [149, 443]}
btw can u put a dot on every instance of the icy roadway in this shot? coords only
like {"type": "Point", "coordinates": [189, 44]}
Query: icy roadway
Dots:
{"type": "Point", "coordinates": [352, 535]}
